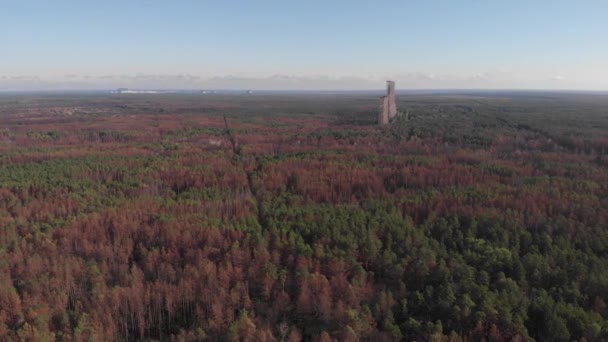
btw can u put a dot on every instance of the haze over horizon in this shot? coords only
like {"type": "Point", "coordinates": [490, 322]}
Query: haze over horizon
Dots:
{"type": "Point", "coordinates": [304, 45]}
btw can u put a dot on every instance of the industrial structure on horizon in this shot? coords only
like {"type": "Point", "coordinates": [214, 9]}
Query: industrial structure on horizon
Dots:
{"type": "Point", "coordinates": [388, 106]}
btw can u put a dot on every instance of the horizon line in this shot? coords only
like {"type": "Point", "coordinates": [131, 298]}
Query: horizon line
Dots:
{"type": "Point", "coordinates": [200, 90]}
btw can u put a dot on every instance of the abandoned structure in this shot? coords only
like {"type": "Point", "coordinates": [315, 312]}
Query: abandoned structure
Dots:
{"type": "Point", "coordinates": [388, 107]}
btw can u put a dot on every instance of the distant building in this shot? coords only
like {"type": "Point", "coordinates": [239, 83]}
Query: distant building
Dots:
{"type": "Point", "coordinates": [120, 91]}
{"type": "Point", "coordinates": [141, 91]}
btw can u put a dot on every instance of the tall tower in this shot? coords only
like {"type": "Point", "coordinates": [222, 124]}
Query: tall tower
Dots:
{"type": "Point", "coordinates": [388, 106]}
{"type": "Point", "coordinates": [390, 93]}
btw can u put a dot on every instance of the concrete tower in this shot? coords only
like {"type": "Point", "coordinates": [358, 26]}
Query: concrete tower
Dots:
{"type": "Point", "coordinates": [388, 106]}
{"type": "Point", "coordinates": [383, 112]}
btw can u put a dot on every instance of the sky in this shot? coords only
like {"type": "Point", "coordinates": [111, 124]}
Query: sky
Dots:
{"type": "Point", "coordinates": [312, 44]}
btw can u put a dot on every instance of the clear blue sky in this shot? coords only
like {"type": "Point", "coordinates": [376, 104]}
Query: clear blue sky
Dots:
{"type": "Point", "coordinates": [306, 44]}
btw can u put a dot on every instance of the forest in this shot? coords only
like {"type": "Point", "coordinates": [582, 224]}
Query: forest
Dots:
{"type": "Point", "coordinates": [295, 217]}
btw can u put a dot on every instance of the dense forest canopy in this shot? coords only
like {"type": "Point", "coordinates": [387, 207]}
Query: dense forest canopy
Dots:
{"type": "Point", "coordinates": [295, 217]}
